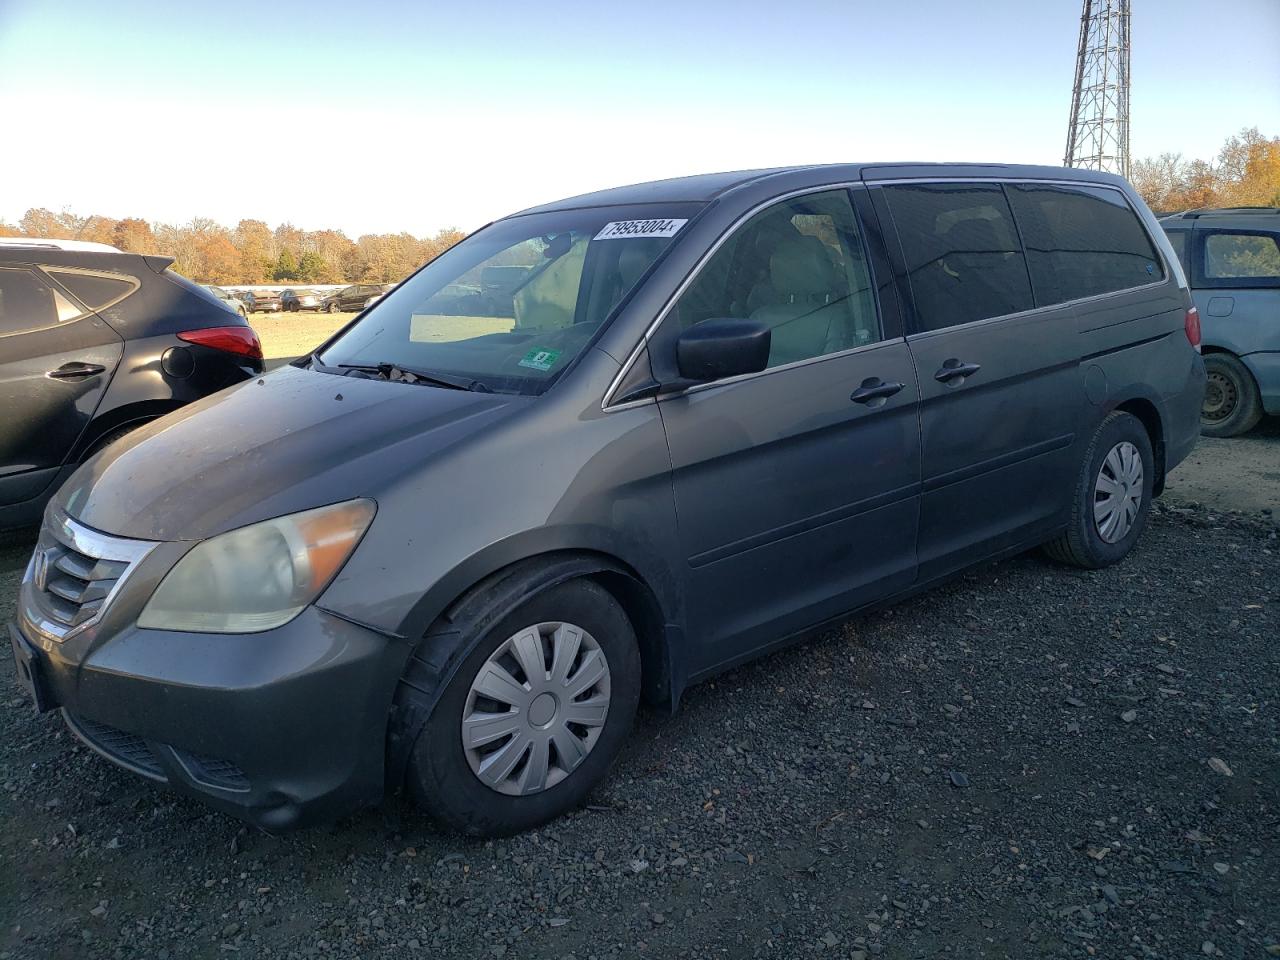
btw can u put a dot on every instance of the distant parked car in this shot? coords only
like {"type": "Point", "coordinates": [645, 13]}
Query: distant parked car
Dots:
{"type": "Point", "coordinates": [93, 343]}
{"type": "Point", "coordinates": [261, 301]}
{"type": "Point", "coordinates": [1232, 258]}
{"type": "Point", "coordinates": [232, 301]}
{"type": "Point", "coordinates": [301, 300]}
{"type": "Point", "coordinates": [356, 297]}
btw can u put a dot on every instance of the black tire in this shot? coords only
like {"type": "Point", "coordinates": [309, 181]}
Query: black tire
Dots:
{"type": "Point", "coordinates": [331, 307]}
{"type": "Point", "coordinates": [1232, 405]}
{"type": "Point", "coordinates": [440, 779]}
{"type": "Point", "coordinates": [109, 438]}
{"type": "Point", "coordinates": [1082, 545]}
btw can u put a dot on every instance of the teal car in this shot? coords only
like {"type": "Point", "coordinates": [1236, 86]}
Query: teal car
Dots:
{"type": "Point", "coordinates": [1232, 259]}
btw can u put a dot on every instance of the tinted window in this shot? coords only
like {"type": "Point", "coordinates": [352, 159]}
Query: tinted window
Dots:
{"type": "Point", "coordinates": [93, 291]}
{"type": "Point", "coordinates": [962, 254]}
{"type": "Point", "coordinates": [1178, 240]}
{"type": "Point", "coordinates": [1081, 241]}
{"type": "Point", "coordinates": [798, 268]}
{"type": "Point", "coordinates": [29, 302]}
{"type": "Point", "coordinates": [1238, 256]}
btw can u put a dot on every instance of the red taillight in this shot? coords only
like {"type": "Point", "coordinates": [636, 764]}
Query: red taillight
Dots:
{"type": "Point", "coordinates": [1193, 327]}
{"type": "Point", "coordinates": [241, 341]}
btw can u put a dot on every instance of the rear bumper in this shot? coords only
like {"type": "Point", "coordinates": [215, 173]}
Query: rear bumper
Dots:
{"type": "Point", "coordinates": [1265, 368]}
{"type": "Point", "coordinates": [1182, 416]}
{"type": "Point", "coordinates": [283, 728]}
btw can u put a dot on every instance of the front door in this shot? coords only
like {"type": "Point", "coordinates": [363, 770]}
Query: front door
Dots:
{"type": "Point", "coordinates": [56, 360]}
{"type": "Point", "coordinates": [796, 488]}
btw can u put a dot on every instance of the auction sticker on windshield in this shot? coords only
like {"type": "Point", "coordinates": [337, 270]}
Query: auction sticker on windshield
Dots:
{"type": "Point", "coordinates": [632, 229]}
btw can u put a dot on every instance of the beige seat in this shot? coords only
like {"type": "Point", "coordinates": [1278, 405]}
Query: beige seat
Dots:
{"type": "Point", "coordinates": [809, 310]}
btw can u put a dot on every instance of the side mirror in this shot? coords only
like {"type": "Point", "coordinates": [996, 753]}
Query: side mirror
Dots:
{"type": "Point", "coordinates": [717, 349]}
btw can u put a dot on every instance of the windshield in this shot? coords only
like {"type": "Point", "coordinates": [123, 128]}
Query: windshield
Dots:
{"type": "Point", "coordinates": [511, 306]}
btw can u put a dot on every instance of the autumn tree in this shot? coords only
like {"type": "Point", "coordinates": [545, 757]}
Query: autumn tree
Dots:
{"type": "Point", "coordinates": [1246, 172]}
{"type": "Point", "coordinates": [134, 236]}
{"type": "Point", "coordinates": [256, 245]}
{"type": "Point", "coordinates": [218, 258]}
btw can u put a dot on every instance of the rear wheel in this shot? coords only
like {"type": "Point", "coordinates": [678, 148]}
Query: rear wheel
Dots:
{"type": "Point", "coordinates": [533, 717]}
{"type": "Point", "coordinates": [1112, 497]}
{"type": "Point", "coordinates": [1232, 405]}
{"type": "Point", "coordinates": [109, 438]}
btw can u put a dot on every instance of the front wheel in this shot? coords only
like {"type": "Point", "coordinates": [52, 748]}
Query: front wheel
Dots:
{"type": "Point", "coordinates": [533, 717]}
{"type": "Point", "coordinates": [1232, 405]}
{"type": "Point", "coordinates": [1112, 496]}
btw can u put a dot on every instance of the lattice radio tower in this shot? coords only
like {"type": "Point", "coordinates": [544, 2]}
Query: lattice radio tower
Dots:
{"type": "Point", "coordinates": [1098, 135]}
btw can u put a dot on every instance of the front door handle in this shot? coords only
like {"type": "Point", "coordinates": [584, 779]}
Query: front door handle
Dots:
{"type": "Point", "coordinates": [75, 370]}
{"type": "Point", "coordinates": [875, 391]}
{"type": "Point", "coordinates": [954, 369]}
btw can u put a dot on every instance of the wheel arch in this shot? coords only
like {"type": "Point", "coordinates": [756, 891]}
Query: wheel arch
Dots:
{"type": "Point", "coordinates": [453, 634]}
{"type": "Point", "coordinates": [1148, 413]}
{"type": "Point", "coordinates": [109, 421]}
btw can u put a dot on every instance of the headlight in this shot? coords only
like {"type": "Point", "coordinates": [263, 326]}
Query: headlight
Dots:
{"type": "Point", "coordinates": [258, 577]}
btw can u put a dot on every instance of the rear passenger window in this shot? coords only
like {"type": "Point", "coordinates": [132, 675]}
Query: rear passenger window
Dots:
{"type": "Point", "coordinates": [1241, 256]}
{"type": "Point", "coordinates": [95, 291]}
{"type": "Point", "coordinates": [798, 268]}
{"type": "Point", "coordinates": [1082, 241]}
{"type": "Point", "coordinates": [962, 254]}
{"type": "Point", "coordinates": [30, 302]}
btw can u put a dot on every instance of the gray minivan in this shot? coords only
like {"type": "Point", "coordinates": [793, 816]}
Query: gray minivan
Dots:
{"type": "Point", "coordinates": [685, 423]}
{"type": "Point", "coordinates": [1232, 258]}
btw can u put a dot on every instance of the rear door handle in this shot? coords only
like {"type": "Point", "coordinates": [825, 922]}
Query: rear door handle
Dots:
{"type": "Point", "coordinates": [874, 389]}
{"type": "Point", "coordinates": [956, 370]}
{"type": "Point", "coordinates": [75, 369]}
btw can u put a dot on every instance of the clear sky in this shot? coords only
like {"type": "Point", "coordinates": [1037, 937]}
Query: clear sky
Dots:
{"type": "Point", "coordinates": [379, 116]}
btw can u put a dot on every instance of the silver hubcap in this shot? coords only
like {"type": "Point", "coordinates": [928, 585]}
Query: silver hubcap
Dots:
{"type": "Point", "coordinates": [1117, 496]}
{"type": "Point", "coordinates": [536, 708]}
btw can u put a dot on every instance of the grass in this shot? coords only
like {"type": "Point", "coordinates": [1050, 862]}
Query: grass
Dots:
{"type": "Point", "coordinates": [286, 335]}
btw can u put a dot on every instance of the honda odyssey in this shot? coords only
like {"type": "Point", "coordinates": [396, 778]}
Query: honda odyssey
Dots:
{"type": "Point", "coordinates": [596, 452]}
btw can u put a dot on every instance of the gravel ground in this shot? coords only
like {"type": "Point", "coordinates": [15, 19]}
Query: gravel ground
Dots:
{"type": "Point", "coordinates": [1031, 761]}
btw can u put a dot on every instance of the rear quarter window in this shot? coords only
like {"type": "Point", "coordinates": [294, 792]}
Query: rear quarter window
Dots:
{"type": "Point", "coordinates": [1082, 241]}
{"type": "Point", "coordinates": [96, 291]}
{"type": "Point", "coordinates": [1242, 256]}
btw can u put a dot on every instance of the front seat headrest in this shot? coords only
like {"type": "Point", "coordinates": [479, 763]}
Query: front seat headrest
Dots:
{"type": "Point", "coordinates": [800, 270]}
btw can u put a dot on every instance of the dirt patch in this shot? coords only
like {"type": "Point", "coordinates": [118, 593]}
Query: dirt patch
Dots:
{"type": "Point", "coordinates": [1241, 474]}
{"type": "Point", "coordinates": [288, 335]}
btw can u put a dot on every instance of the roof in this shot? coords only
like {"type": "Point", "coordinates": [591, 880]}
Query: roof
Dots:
{"type": "Point", "coordinates": [710, 186]}
{"type": "Point", "coordinates": [42, 243]}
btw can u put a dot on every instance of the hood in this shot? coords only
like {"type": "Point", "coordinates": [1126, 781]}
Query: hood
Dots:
{"type": "Point", "coordinates": [289, 441]}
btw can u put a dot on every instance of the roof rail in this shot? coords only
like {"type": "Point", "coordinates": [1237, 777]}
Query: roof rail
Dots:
{"type": "Point", "coordinates": [42, 243]}
{"type": "Point", "coordinates": [1210, 211]}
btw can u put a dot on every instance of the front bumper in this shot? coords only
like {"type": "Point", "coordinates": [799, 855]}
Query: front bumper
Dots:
{"type": "Point", "coordinates": [283, 728]}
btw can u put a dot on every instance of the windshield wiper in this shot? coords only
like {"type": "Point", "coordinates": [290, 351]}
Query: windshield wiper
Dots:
{"type": "Point", "coordinates": [401, 374]}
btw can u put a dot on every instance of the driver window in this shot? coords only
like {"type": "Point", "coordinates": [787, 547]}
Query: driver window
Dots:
{"type": "Point", "coordinates": [798, 268]}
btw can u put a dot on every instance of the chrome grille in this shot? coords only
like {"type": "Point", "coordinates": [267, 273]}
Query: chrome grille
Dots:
{"type": "Point", "coordinates": [74, 573]}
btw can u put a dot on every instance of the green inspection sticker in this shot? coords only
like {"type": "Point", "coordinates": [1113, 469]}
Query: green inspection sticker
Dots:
{"type": "Point", "coordinates": [540, 358]}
